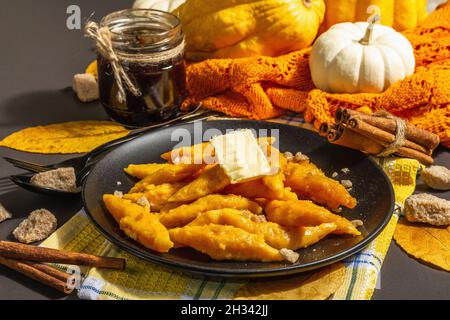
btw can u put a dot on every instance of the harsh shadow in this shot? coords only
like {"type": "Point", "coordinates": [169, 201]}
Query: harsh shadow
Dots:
{"type": "Point", "coordinates": [45, 107]}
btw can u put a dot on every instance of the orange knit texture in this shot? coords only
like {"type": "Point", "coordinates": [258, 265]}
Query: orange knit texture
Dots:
{"type": "Point", "coordinates": [265, 87]}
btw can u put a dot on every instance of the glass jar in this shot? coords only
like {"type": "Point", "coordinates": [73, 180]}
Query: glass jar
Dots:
{"type": "Point", "coordinates": [150, 48]}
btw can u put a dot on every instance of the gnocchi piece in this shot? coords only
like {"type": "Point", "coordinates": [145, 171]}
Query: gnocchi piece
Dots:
{"type": "Point", "coordinates": [168, 174]}
{"type": "Point", "coordinates": [263, 188]}
{"type": "Point", "coordinates": [158, 196]}
{"type": "Point", "coordinates": [210, 181]}
{"type": "Point", "coordinates": [226, 243]}
{"type": "Point", "coordinates": [182, 215]}
{"type": "Point", "coordinates": [275, 235]}
{"type": "Point", "coordinates": [138, 223]}
{"type": "Point", "coordinates": [305, 213]}
{"type": "Point", "coordinates": [143, 170]}
{"type": "Point", "coordinates": [310, 182]}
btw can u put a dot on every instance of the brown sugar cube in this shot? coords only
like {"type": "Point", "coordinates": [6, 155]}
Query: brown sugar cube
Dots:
{"type": "Point", "coordinates": [4, 214]}
{"type": "Point", "coordinates": [38, 226]}
{"type": "Point", "coordinates": [436, 177]}
{"type": "Point", "coordinates": [86, 87]}
{"type": "Point", "coordinates": [427, 208]}
{"type": "Point", "coordinates": [63, 179]}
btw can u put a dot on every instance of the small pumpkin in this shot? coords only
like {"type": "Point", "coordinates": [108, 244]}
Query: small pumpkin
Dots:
{"type": "Point", "coordinates": [163, 5]}
{"type": "Point", "coordinates": [399, 14]}
{"type": "Point", "coordinates": [242, 28]}
{"type": "Point", "coordinates": [360, 57]}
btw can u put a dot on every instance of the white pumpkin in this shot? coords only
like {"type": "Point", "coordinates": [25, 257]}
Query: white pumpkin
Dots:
{"type": "Point", "coordinates": [163, 5]}
{"type": "Point", "coordinates": [360, 57]}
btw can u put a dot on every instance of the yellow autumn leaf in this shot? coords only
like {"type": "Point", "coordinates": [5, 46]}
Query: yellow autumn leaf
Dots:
{"type": "Point", "coordinates": [92, 69]}
{"type": "Point", "coordinates": [427, 243]}
{"type": "Point", "coordinates": [65, 138]}
{"type": "Point", "coordinates": [313, 285]}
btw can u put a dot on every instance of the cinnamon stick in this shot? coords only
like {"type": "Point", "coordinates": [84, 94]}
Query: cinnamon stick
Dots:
{"type": "Point", "coordinates": [414, 154]}
{"type": "Point", "coordinates": [341, 116]}
{"type": "Point", "coordinates": [56, 273]}
{"type": "Point", "coordinates": [325, 128]}
{"type": "Point", "coordinates": [350, 139]}
{"type": "Point", "coordinates": [20, 251]}
{"type": "Point", "coordinates": [354, 140]}
{"type": "Point", "coordinates": [370, 131]}
{"type": "Point", "coordinates": [412, 133]}
{"type": "Point", "coordinates": [36, 274]}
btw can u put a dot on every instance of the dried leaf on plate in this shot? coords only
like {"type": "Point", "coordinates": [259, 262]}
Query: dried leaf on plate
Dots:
{"type": "Point", "coordinates": [314, 285]}
{"type": "Point", "coordinates": [65, 138]}
{"type": "Point", "coordinates": [427, 243]}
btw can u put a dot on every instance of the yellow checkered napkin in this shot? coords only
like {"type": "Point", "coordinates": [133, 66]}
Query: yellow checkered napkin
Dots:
{"type": "Point", "coordinates": [363, 268]}
{"type": "Point", "coordinates": [144, 280]}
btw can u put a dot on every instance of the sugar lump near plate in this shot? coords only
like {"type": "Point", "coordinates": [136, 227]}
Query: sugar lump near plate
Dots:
{"type": "Point", "coordinates": [62, 179]}
{"type": "Point", "coordinates": [4, 214]}
{"type": "Point", "coordinates": [427, 208]}
{"type": "Point", "coordinates": [38, 226]}
{"type": "Point", "coordinates": [86, 87]}
{"type": "Point", "coordinates": [436, 177]}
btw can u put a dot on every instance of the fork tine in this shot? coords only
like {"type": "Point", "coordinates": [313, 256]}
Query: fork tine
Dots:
{"type": "Point", "coordinates": [26, 165]}
{"type": "Point", "coordinates": [7, 185]}
{"type": "Point", "coordinates": [12, 187]}
{"type": "Point", "coordinates": [30, 168]}
{"type": "Point", "coordinates": [4, 179]}
{"type": "Point", "coordinates": [11, 160]}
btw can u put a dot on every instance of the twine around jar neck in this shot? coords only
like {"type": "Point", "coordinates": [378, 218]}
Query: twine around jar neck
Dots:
{"type": "Point", "coordinates": [103, 37]}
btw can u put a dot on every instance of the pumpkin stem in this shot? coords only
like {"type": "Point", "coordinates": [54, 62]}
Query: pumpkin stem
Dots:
{"type": "Point", "coordinates": [307, 3]}
{"type": "Point", "coordinates": [368, 36]}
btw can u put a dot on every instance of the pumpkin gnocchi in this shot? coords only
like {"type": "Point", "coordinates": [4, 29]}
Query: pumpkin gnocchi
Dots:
{"type": "Point", "coordinates": [262, 219]}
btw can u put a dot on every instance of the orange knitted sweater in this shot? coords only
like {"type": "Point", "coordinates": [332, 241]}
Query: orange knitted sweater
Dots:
{"type": "Point", "coordinates": [265, 87]}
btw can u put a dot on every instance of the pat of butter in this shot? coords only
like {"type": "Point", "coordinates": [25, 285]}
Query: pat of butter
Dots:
{"type": "Point", "coordinates": [240, 156]}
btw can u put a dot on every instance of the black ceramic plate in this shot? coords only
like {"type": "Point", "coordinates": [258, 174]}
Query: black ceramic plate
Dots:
{"type": "Point", "coordinates": [370, 186]}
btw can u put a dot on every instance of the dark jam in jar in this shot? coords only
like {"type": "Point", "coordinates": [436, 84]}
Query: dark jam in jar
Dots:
{"type": "Point", "coordinates": [150, 47]}
{"type": "Point", "coordinates": [162, 87]}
